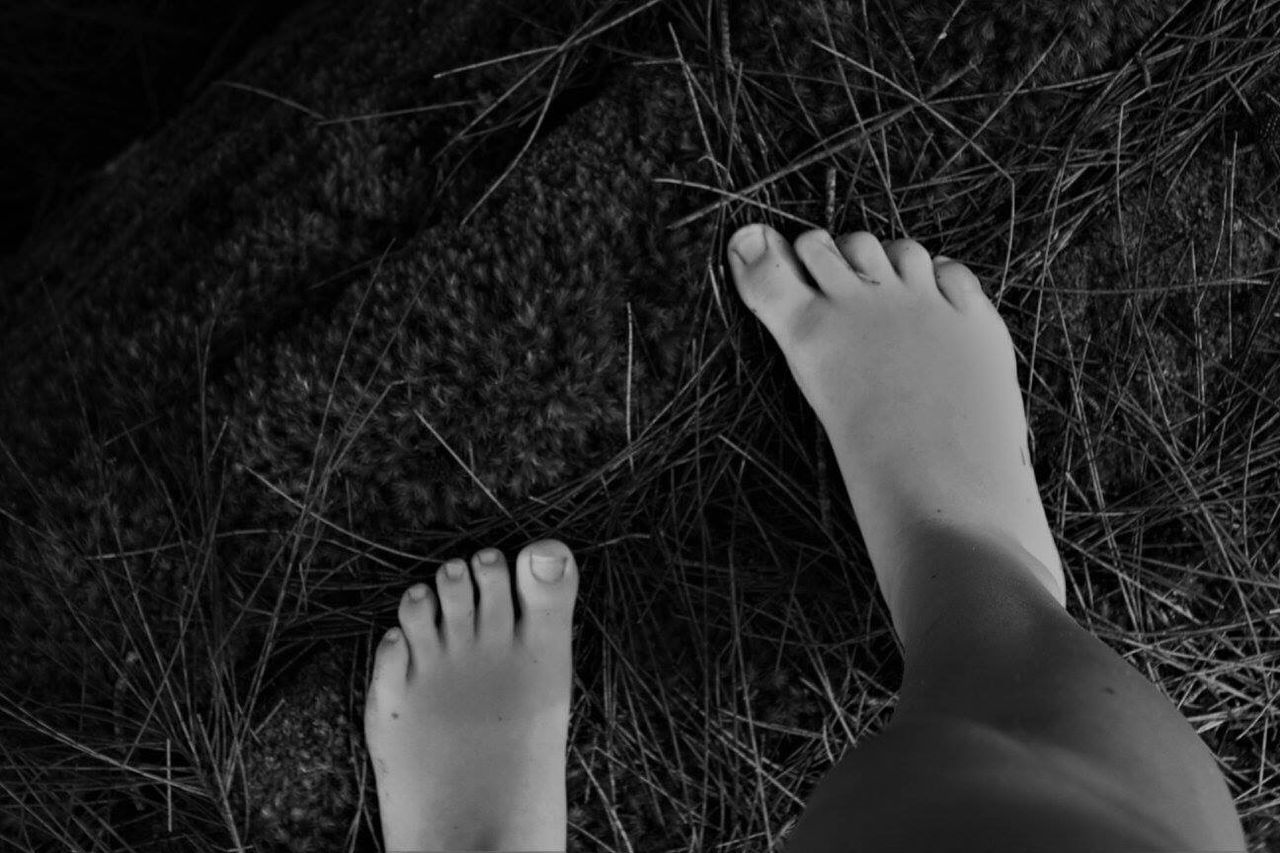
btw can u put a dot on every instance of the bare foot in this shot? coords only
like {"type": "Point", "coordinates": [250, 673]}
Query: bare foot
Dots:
{"type": "Point", "coordinates": [912, 373]}
{"type": "Point", "coordinates": [467, 723]}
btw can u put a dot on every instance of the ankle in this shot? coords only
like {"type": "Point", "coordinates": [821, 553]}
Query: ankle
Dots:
{"type": "Point", "coordinates": [944, 567]}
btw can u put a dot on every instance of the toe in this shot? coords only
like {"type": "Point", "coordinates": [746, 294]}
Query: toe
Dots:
{"type": "Point", "coordinates": [418, 621]}
{"type": "Point", "coordinates": [772, 285]}
{"type": "Point", "coordinates": [912, 263]}
{"type": "Point", "coordinates": [546, 601]}
{"type": "Point", "coordinates": [390, 669]}
{"type": "Point", "coordinates": [495, 620]}
{"type": "Point", "coordinates": [457, 604]}
{"type": "Point", "coordinates": [827, 265]}
{"type": "Point", "coordinates": [958, 283]}
{"type": "Point", "coordinates": [867, 257]}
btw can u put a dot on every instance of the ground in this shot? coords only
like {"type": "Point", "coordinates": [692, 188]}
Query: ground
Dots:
{"type": "Point", "coordinates": [259, 237]}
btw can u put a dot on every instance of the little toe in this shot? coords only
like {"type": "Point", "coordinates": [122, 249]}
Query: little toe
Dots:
{"type": "Point", "coordinates": [390, 671]}
{"type": "Point", "coordinates": [547, 583]}
{"type": "Point", "coordinates": [866, 256]}
{"type": "Point", "coordinates": [418, 621]}
{"type": "Point", "coordinates": [958, 283]}
{"type": "Point", "coordinates": [495, 618]}
{"type": "Point", "coordinates": [913, 264]}
{"type": "Point", "coordinates": [768, 277]}
{"type": "Point", "coordinates": [457, 604]}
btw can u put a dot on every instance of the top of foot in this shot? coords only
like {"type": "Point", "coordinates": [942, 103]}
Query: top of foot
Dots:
{"type": "Point", "coordinates": [467, 722]}
{"type": "Point", "coordinates": [912, 372]}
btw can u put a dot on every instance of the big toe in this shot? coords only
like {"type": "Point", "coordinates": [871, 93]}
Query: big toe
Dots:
{"type": "Point", "coordinates": [768, 277]}
{"type": "Point", "coordinates": [547, 583]}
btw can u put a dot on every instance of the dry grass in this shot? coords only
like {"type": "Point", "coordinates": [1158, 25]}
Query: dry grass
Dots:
{"type": "Point", "coordinates": [730, 644]}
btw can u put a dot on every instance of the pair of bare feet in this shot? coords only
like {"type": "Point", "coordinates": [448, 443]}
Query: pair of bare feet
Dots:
{"type": "Point", "coordinates": [912, 373]}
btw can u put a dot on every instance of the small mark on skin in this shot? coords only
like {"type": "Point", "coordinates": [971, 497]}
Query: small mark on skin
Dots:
{"type": "Point", "coordinates": [394, 715]}
{"type": "Point", "coordinates": [1023, 453]}
{"type": "Point", "coordinates": [1109, 690]}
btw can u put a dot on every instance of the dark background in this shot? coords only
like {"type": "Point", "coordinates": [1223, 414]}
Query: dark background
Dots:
{"type": "Point", "coordinates": [80, 80]}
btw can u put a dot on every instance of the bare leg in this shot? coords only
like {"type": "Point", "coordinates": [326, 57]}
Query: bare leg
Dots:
{"type": "Point", "coordinates": [1017, 729]}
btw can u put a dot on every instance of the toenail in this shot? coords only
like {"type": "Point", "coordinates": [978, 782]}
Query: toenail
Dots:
{"type": "Point", "coordinates": [488, 556]}
{"type": "Point", "coordinates": [548, 569]}
{"type": "Point", "coordinates": [750, 245]}
{"type": "Point", "coordinates": [392, 635]}
{"type": "Point", "coordinates": [454, 570]}
{"type": "Point", "coordinates": [418, 591]}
